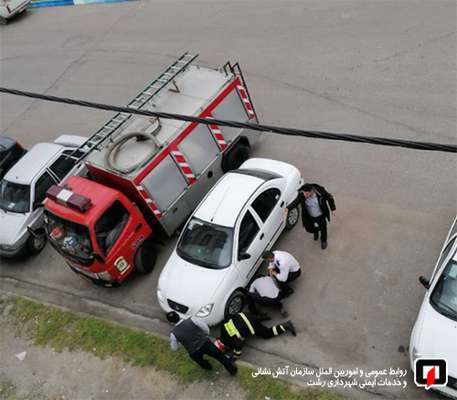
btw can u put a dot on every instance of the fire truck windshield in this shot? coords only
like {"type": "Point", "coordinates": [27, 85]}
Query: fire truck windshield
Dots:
{"type": "Point", "coordinates": [70, 239]}
{"type": "Point", "coordinates": [206, 244]}
{"type": "Point", "coordinates": [14, 197]}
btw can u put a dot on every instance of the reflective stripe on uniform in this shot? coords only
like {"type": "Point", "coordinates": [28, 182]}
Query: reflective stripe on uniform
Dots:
{"type": "Point", "coordinates": [275, 331]}
{"type": "Point", "coordinates": [248, 323]}
{"type": "Point", "coordinates": [231, 329]}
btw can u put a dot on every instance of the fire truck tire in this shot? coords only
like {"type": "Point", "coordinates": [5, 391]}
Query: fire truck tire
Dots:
{"type": "Point", "coordinates": [235, 303]}
{"type": "Point", "coordinates": [292, 218]}
{"type": "Point", "coordinates": [36, 243]}
{"type": "Point", "coordinates": [145, 258]}
{"type": "Point", "coordinates": [235, 157]}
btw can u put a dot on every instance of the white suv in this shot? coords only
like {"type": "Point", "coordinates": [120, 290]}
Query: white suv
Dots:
{"type": "Point", "coordinates": [435, 331]}
{"type": "Point", "coordinates": [221, 245]}
{"type": "Point", "coordinates": [23, 190]}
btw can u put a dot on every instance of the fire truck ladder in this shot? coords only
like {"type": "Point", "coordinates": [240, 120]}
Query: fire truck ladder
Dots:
{"type": "Point", "coordinates": [235, 69]}
{"type": "Point", "coordinates": [151, 90]}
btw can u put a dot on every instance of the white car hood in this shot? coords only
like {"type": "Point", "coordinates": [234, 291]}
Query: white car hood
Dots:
{"type": "Point", "coordinates": [437, 337]}
{"type": "Point", "coordinates": [11, 227]}
{"type": "Point", "coordinates": [189, 284]}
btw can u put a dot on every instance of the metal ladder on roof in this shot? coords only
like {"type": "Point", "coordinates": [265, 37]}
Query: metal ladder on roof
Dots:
{"type": "Point", "coordinates": [150, 91]}
{"type": "Point", "coordinates": [235, 69]}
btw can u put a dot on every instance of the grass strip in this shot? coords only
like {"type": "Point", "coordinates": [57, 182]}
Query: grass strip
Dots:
{"type": "Point", "coordinates": [51, 326]}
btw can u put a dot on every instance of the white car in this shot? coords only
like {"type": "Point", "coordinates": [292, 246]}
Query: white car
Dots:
{"type": "Point", "coordinates": [23, 190]}
{"type": "Point", "coordinates": [220, 247]}
{"type": "Point", "coordinates": [435, 331]}
{"type": "Point", "coordinates": [11, 8]}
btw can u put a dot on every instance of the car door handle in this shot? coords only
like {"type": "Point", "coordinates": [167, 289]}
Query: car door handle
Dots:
{"type": "Point", "coordinates": [261, 236]}
{"type": "Point", "coordinates": [282, 203]}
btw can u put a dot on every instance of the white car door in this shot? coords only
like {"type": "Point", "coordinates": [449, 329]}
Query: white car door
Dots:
{"type": "Point", "coordinates": [250, 243]}
{"type": "Point", "coordinates": [39, 189]}
{"type": "Point", "coordinates": [269, 206]}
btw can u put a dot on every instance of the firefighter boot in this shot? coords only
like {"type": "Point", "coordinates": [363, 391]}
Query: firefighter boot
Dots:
{"type": "Point", "coordinates": [289, 326]}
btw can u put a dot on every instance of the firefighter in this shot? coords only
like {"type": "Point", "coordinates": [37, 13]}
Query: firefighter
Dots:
{"type": "Point", "coordinates": [283, 267]}
{"type": "Point", "coordinates": [193, 333]}
{"type": "Point", "coordinates": [237, 329]}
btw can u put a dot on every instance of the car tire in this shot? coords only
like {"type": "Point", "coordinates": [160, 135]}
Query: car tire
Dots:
{"type": "Point", "coordinates": [292, 218]}
{"type": "Point", "coordinates": [145, 258]}
{"type": "Point", "coordinates": [234, 304]}
{"type": "Point", "coordinates": [235, 157]}
{"type": "Point", "coordinates": [36, 243]}
{"type": "Point", "coordinates": [3, 21]}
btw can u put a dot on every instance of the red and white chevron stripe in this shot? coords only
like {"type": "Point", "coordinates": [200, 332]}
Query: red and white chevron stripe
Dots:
{"type": "Point", "coordinates": [185, 167]}
{"type": "Point", "coordinates": [247, 103]}
{"type": "Point", "coordinates": [149, 201]}
{"type": "Point", "coordinates": [216, 131]}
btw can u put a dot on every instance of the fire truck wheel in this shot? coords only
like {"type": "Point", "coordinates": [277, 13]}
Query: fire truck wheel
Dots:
{"type": "Point", "coordinates": [235, 303]}
{"type": "Point", "coordinates": [145, 258]}
{"type": "Point", "coordinates": [36, 243]}
{"type": "Point", "coordinates": [235, 157]}
{"type": "Point", "coordinates": [292, 218]}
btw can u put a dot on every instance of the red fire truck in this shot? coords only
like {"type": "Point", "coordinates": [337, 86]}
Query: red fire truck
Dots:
{"type": "Point", "coordinates": [146, 175]}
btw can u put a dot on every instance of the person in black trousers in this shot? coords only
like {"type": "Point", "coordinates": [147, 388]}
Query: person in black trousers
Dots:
{"type": "Point", "coordinates": [235, 331]}
{"type": "Point", "coordinates": [193, 333]}
{"type": "Point", "coordinates": [315, 203]}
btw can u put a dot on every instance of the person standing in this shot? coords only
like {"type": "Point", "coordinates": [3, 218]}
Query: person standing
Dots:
{"type": "Point", "coordinates": [238, 328]}
{"type": "Point", "coordinates": [193, 333]}
{"type": "Point", "coordinates": [316, 204]}
{"type": "Point", "coordinates": [283, 267]}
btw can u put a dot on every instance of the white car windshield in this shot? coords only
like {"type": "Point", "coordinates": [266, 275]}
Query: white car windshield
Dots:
{"type": "Point", "coordinates": [444, 296]}
{"type": "Point", "coordinates": [206, 244]}
{"type": "Point", "coordinates": [14, 197]}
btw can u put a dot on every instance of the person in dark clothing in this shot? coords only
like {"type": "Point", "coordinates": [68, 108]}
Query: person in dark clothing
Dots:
{"type": "Point", "coordinates": [315, 203]}
{"type": "Point", "coordinates": [193, 333]}
{"type": "Point", "coordinates": [237, 329]}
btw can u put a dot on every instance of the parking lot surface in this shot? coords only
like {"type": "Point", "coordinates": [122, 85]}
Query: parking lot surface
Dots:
{"type": "Point", "coordinates": [383, 68]}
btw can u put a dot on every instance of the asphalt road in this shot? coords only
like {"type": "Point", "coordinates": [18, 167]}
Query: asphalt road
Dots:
{"type": "Point", "coordinates": [384, 68]}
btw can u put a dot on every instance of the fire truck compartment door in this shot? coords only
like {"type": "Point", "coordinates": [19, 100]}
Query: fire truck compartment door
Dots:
{"type": "Point", "coordinates": [200, 148]}
{"type": "Point", "coordinates": [232, 109]}
{"type": "Point", "coordinates": [165, 183]}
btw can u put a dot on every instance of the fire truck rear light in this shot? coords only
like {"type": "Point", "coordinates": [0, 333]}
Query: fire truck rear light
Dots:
{"type": "Point", "coordinates": [68, 198]}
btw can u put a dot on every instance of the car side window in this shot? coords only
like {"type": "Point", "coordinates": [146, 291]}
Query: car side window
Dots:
{"type": "Point", "coordinates": [110, 226]}
{"type": "Point", "coordinates": [265, 202]}
{"type": "Point", "coordinates": [248, 231]}
{"type": "Point", "coordinates": [41, 187]}
{"type": "Point", "coordinates": [62, 166]}
{"type": "Point", "coordinates": [446, 251]}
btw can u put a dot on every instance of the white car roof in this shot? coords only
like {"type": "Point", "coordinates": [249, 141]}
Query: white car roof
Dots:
{"type": "Point", "coordinates": [227, 199]}
{"type": "Point", "coordinates": [34, 161]}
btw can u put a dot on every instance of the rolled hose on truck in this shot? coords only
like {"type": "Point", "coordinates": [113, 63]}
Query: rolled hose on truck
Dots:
{"type": "Point", "coordinates": [117, 145]}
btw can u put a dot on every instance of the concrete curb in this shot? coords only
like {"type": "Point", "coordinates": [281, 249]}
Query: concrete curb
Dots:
{"type": "Point", "coordinates": [89, 307]}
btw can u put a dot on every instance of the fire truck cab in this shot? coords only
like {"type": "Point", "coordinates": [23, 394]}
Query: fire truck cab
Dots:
{"type": "Point", "coordinates": [147, 175]}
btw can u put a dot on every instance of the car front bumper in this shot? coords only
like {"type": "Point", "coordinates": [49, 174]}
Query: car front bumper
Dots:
{"type": "Point", "coordinates": [212, 319]}
{"type": "Point", "coordinates": [11, 251]}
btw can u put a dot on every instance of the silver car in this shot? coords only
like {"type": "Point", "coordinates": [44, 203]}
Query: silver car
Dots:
{"type": "Point", "coordinates": [23, 190]}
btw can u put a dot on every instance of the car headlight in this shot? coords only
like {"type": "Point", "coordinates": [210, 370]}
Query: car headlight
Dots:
{"type": "Point", "coordinates": [160, 295]}
{"type": "Point", "coordinates": [205, 310]}
{"type": "Point", "coordinates": [106, 276]}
